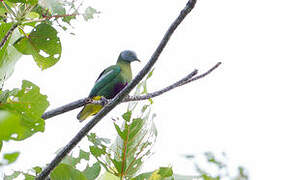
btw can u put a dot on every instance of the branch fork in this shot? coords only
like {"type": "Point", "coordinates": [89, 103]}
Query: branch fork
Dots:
{"type": "Point", "coordinates": [123, 95]}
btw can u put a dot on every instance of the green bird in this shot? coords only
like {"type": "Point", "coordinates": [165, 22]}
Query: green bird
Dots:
{"type": "Point", "coordinates": [110, 82]}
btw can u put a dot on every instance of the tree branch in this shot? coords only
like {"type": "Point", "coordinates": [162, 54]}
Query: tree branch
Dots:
{"type": "Point", "coordinates": [187, 79]}
{"type": "Point", "coordinates": [9, 32]}
{"type": "Point", "coordinates": [117, 99]}
{"type": "Point", "coordinates": [81, 102]}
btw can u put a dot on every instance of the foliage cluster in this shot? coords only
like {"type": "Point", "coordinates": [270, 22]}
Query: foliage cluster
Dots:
{"type": "Point", "coordinates": [30, 27]}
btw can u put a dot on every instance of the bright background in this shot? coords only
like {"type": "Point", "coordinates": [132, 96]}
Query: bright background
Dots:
{"type": "Point", "coordinates": [242, 108]}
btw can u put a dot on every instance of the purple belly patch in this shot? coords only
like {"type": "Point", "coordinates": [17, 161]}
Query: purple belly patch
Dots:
{"type": "Point", "coordinates": [118, 87]}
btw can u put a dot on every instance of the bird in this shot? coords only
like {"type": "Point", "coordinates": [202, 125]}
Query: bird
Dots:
{"type": "Point", "coordinates": [109, 83]}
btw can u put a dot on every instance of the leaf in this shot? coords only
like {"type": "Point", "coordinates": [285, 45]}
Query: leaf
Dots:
{"type": "Point", "coordinates": [143, 176]}
{"type": "Point", "coordinates": [127, 116]}
{"type": "Point", "coordinates": [70, 160]}
{"type": "Point", "coordinates": [67, 19]}
{"type": "Point", "coordinates": [165, 171]}
{"type": "Point", "coordinates": [32, 15]}
{"type": "Point", "coordinates": [1, 145]}
{"type": "Point", "coordinates": [96, 140]}
{"type": "Point", "coordinates": [28, 176]}
{"type": "Point", "coordinates": [150, 74]}
{"type": "Point", "coordinates": [8, 54]}
{"type": "Point", "coordinates": [92, 172]}
{"type": "Point", "coordinates": [89, 13]}
{"type": "Point", "coordinates": [14, 175]}
{"type": "Point", "coordinates": [118, 165]}
{"type": "Point", "coordinates": [109, 176]}
{"type": "Point", "coordinates": [11, 157]}
{"type": "Point", "coordinates": [66, 172]}
{"type": "Point", "coordinates": [37, 169]}
{"type": "Point", "coordinates": [17, 1]}
{"type": "Point", "coordinates": [20, 112]}
{"type": "Point", "coordinates": [119, 131]}
{"type": "Point", "coordinates": [134, 142]}
{"type": "Point", "coordinates": [32, 2]}
{"type": "Point", "coordinates": [55, 6]}
{"type": "Point", "coordinates": [43, 44]}
{"type": "Point", "coordinates": [160, 174]}
{"type": "Point", "coordinates": [96, 151]}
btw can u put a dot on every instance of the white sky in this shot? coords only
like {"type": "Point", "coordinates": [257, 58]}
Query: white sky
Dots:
{"type": "Point", "coordinates": [241, 108]}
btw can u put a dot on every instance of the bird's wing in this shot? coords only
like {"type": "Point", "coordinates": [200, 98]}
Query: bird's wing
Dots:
{"type": "Point", "coordinates": [105, 77]}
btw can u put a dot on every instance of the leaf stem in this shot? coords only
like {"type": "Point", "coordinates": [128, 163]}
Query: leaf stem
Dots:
{"type": "Point", "coordinates": [125, 151]}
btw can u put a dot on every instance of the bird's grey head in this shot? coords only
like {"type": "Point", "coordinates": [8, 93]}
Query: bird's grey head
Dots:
{"type": "Point", "coordinates": [128, 56]}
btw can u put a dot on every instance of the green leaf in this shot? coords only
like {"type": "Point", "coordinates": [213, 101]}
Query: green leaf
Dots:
{"type": "Point", "coordinates": [161, 174]}
{"type": "Point", "coordinates": [119, 131]}
{"type": "Point", "coordinates": [118, 165]}
{"type": "Point", "coordinates": [66, 172]}
{"type": "Point", "coordinates": [12, 176]}
{"type": "Point", "coordinates": [11, 157]}
{"type": "Point", "coordinates": [135, 127]}
{"type": "Point", "coordinates": [109, 176]}
{"type": "Point", "coordinates": [96, 151]}
{"type": "Point", "coordinates": [17, 1]}
{"type": "Point", "coordinates": [133, 143]}
{"type": "Point", "coordinates": [37, 169]}
{"type": "Point", "coordinates": [92, 172]}
{"type": "Point", "coordinates": [55, 6]}
{"type": "Point", "coordinates": [1, 145]}
{"type": "Point", "coordinates": [32, 2]}
{"type": "Point", "coordinates": [32, 15]}
{"type": "Point", "coordinates": [43, 44]}
{"type": "Point", "coordinates": [165, 171]}
{"type": "Point", "coordinates": [96, 140]}
{"type": "Point", "coordinates": [20, 112]}
{"type": "Point", "coordinates": [70, 160]}
{"type": "Point", "coordinates": [28, 176]}
{"type": "Point", "coordinates": [150, 74]}
{"type": "Point", "coordinates": [67, 19]}
{"type": "Point", "coordinates": [89, 13]}
{"type": "Point", "coordinates": [8, 54]}
{"type": "Point", "coordinates": [127, 116]}
{"type": "Point", "coordinates": [143, 176]}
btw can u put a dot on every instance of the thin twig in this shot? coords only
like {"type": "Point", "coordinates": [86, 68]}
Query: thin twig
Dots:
{"type": "Point", "coordinates": [50, 17]}
{"type": "Point", "coordinates": [117, 99]}
{"type": "Point", "coordinates": [81, 102]}
{"type": "Point", "coordinates": [9, 32]}
{"type": "Point", "coordinates": [189, 78]}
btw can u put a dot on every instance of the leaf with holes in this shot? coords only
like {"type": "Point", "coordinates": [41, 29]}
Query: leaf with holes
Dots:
{"type": "Point", "coordinates": [43, 44]}
{"type": "Point", "coordinates": [92, 172]}
{"type": "Point", "coordinates": [20, 112]}
{"type": "Point", "coordinates": [70, 160]}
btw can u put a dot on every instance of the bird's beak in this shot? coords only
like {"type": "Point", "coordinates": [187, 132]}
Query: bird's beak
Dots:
{"type": "Point", "coordinates": [137, 60]}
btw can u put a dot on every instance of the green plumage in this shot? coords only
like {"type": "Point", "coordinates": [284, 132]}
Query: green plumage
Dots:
{"type": "Point", "coordinates": [110, 82]}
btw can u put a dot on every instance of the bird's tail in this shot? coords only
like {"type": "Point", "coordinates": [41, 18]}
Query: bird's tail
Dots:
{"type": "Point", "coordinates": [89, 109]}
